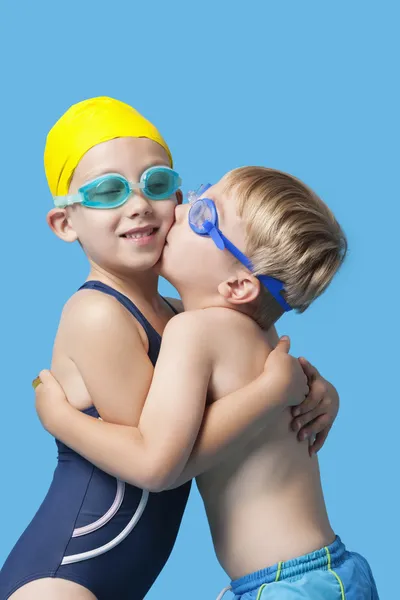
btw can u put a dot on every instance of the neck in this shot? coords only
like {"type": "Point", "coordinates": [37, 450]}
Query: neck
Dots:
{"type": "Point", "coordinates": [196, 299]}
{"type": "Point", "coordinates": [265, 317]}
{"type": "Point", "coordinates": [143, 285]}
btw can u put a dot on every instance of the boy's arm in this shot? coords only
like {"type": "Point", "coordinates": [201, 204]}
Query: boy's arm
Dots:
{"type": "Point", "coordinates": [154, 454]}
{"type": "Point", "coordinates": [224, 420]}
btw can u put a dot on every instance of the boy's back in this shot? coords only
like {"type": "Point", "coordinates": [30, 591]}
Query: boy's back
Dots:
{"type": "Point", "coordinates": [264, 501]}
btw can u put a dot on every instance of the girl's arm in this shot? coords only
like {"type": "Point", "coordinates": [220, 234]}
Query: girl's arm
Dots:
{"type": "Point", "coordinates": [153, 455]}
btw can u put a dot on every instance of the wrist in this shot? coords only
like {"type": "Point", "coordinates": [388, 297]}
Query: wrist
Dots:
{"type": "Point", "coordinates": [53, 418]}
{"type": "Point", "coordinates": [276, 386]}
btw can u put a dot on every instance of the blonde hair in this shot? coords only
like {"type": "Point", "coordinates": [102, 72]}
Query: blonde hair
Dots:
{"type": "Point", "coordinates": [290, 235]}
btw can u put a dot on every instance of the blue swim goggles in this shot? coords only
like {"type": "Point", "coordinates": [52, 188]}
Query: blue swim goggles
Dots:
{"type": "Point", "coordinates": [113, 190]}
{"type": "Point", "coordinates": [203, 220]}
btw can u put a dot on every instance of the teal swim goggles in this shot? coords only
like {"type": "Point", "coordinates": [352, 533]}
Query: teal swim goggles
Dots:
{"type": "Point", "coordinates": [113, 190]}
{"type": "Point", "coordinates": [203, 220]}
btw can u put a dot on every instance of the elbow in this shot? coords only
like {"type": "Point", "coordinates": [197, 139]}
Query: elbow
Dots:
{"type": "Point", "coordinates": [156, 486]}
{"type": "Point", "coordinates": [155, 478]}
{"type": "Point", "coordinates": [157, 483]}
{"type": "Point", "coordinates": [160, 480]}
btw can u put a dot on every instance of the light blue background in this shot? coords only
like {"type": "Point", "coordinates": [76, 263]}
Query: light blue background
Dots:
{"type": "Point", "coordinates": [309, 87]}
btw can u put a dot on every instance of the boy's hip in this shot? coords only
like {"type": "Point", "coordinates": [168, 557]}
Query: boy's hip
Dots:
{"type": "Point", "coordinates": [331, 573]}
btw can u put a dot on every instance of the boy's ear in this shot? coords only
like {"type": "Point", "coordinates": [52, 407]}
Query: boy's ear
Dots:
{"type": "Point", "coordinates": [241, 288]}
{"type": "Point", "coordinates": [59, 222]}
{"type": "Point", "coordinates": [179, 196]}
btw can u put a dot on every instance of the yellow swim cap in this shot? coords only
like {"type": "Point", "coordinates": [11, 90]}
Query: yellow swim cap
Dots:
{"type": "Point", "coordinates": [85, 125]}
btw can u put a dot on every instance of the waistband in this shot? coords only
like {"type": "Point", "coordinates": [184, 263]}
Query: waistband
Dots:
{"type": "Point", "coordinates": [328, 557]}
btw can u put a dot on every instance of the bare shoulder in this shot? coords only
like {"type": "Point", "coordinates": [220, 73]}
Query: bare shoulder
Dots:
{"type": "Point", "coordinates": [189, 322]}
{"type": "Point", "coordinates": [190, 333]}
{"type": "Point", "coordinates": [212, 328]}
{"type": "Point", "coordinates": [89, 308]}
{"type": "Point", "coordinates": [90, 313]}
{"type": "Point", "coordinates": [231, 332]}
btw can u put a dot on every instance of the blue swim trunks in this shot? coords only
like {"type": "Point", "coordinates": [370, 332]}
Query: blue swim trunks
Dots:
{"type": "Point", "coordinates": [331, 573]}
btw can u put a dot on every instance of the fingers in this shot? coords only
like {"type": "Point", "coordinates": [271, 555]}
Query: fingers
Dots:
{"type": "Point", "coordinates": [306, 390]}
{"type": "Point", "coordinates": [319, 441]}
{"type": "Point", "coordinates": [284, 344]}
{"type": "Point", "coordinates": [313, 426]}
{"type": "Point", "coordinates": [45, 377]}
{"type": "Point", "coordinates": [316, 396]}
{"type": "Point", "coordinates": [309, 369]}
{"type": "Point", "coordinates": [45, 383]}
{"type": "Point", "coordinates": [49, 398]}
{"type": "Point", "coordinates": [307, 418]}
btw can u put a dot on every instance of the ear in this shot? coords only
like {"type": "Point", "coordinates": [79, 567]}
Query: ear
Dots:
{"type": "Point", "coordinates": [240, 289]}
{"type": "Point", "coordinates": [179, 196]}
{"type": "Point", "coordinates": [60, 224]}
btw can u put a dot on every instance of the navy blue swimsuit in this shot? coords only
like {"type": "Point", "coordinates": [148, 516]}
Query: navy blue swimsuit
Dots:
{"type": "Point", "coordinates": [110, 537]}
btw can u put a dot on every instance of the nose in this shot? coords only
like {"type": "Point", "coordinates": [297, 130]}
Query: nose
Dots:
{"type": "Point", "coordinates": [138, 205]}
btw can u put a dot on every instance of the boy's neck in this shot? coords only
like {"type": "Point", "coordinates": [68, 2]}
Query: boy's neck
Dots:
{"type": "Point", "coordinates": [196, 299]}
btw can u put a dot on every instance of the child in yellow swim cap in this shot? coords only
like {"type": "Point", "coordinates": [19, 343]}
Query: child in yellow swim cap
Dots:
{"type": "Point", "coordinates": [103, 154]}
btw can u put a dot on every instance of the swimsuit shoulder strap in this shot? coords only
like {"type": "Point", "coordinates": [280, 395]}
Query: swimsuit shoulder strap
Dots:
{"type": "Point", "coordinates": [152, 335]}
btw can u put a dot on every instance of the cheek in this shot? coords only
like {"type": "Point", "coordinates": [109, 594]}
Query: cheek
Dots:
{"type": "Point", "coordinates": [180, 241]}
{"type": "Point", "coordinates": [95, 226]}
{"type": "Point", "coordinates": [209, 256]}
{"type": "Point", "coordinates": [198, 250]}
{"type": "Point", "coordinates": [166, 213]}
{"type": "Point", "coordinates": [103, 224]}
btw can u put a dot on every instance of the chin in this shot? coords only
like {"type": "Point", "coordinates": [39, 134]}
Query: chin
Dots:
{"type": "Point", "coordinates": [142, 264]}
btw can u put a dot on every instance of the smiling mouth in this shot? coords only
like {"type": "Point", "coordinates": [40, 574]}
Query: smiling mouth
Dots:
{"type": "Point", "coordinates": [140, 235]}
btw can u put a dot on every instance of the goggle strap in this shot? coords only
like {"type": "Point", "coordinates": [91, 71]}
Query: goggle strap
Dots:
{"type": "Point", "coordinates": [214, 234]}
{"type": "Point", "coordinates": [237, 253]}
{"type": "Point", "coordinates": [63, 201]}
{"type": "Point", "coordinates": [275, 287]}
{"type": "Point", "coordinates": [203, 188]}
{"type": "Point", "coordinates": [191, 196]}
{"type": "Point", "coordinates": [218, 241]}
